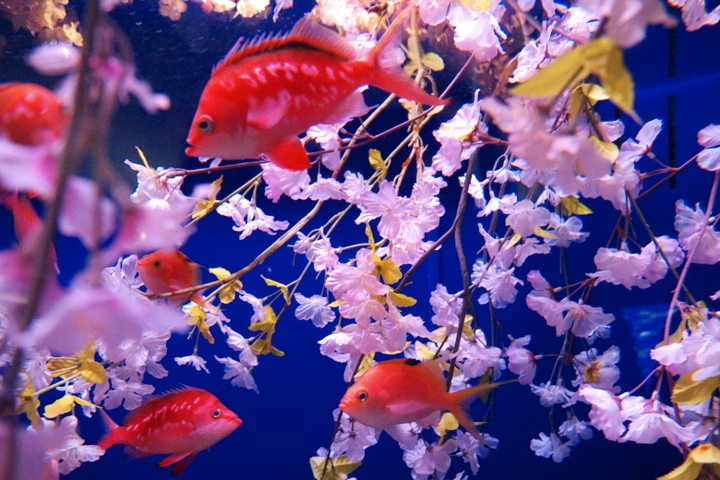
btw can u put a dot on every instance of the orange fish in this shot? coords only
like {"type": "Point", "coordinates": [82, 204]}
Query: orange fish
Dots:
{"type": "Point", "coordinates": [31, 114]}
{"type": "Point", "coordinates": [269, 90]}
{"type": "Point", "coordinates": [167, 271]}
{"type": "Point", "coordinates": [182, 423]}
{"type": "Point", "coordinates": [407, 390]}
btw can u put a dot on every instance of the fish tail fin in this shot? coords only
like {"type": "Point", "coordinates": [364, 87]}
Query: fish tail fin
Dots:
{"type": "Point", "coordinates": [385, 73]}
{"type": "Point", "coordinates": [461, 405]}
{"type": "Point", "coordinates": [113, 429]}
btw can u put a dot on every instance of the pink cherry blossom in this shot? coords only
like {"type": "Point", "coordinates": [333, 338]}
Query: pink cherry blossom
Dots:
{"type": "Point", "coordinates": [709, 137]}
{"type": "Point", "coordinates": [550, 447]}
{"type": "Point", "coordinates": [314, 308]}
{"type": "Point", "coordinates": [239, 373]}
{"type": "Point", "coordinates": [521, 361]}
{"type": "Point", "coordinates": [551, 394]}
{"type": "Point", "coordinates": [599, 370]}
{"type": "Point", "coordinates": [651, 420]}
{"type": "Point", "coordinates": [605, 411]}
{"type": "Point", "coordinates": [478, 31]}
{"type": "Point", "coordinates": [456, 138]}
{"type": "Point", "coordinates": [689, 223]}
{"type": "Point", "coordinates": [279, 181]}
{"type": "Point", "coordinates": [426, 459]}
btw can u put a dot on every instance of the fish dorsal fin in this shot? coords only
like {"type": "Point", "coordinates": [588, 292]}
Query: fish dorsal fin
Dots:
{"type": "Point", "coordinates": [433, 368]}
{"type": "Point", "coordinates": [156, 402]}
{"type": "Point", "coordinates": [306, 33]}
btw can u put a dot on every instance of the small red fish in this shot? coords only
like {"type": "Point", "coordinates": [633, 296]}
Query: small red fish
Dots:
{"type": "Point", "coordinates": [181, 423]}
{"type": "Point", "coordinates": [269, 90]}
{"type": "Point", "coordinates": [406, 390]}
{"type": "Point", "coordinates": [167, 271]}
{"type": "Point", "coordinates": [31, 114]}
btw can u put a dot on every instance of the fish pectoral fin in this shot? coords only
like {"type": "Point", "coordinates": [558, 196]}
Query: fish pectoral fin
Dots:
{"type": "Point", "coordinates": [289, 154]}
{"type": "Point", "coordinates": [407, 409]}
{"type": "Point", "coordinates": [267, 113]}
{"type": "Point", "coordinates": [353, 106]}
{"type": "Point", "coordinates": [181, 461]}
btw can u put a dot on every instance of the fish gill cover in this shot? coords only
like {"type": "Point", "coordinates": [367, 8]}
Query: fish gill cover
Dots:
{"type": "Point", "coordinates": [513, 227]}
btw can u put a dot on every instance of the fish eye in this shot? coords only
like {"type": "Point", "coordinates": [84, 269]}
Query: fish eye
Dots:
{"type": "Point", "coordinates": [205, 124]}
{"type": "Point", "coordinates": [156, 264]}
{"type": "Point", "coordinates": [216, 413]}
{"type": "Point", "coordinates": [363, 396]}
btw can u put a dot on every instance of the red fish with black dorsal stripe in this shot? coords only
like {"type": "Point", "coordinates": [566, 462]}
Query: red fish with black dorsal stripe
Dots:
{"type": "Point", "coordinates": [269, 90]}
{"type": "Point", "coordinates": [181, 423]}
{"type": "Point", "coordinates": [407, 390]}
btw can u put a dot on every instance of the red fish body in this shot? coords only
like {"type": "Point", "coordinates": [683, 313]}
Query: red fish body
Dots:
{"type": "Point", "coordinates": [167, 271]}
{"type": "Point", "coordinates": [405, 390]}
{"type": "Point", "coordinates": [31, 114]}
{"type": "Point", "coordinates": [181, 423]}
{"type": "Point", "coordinates": [268, 91]}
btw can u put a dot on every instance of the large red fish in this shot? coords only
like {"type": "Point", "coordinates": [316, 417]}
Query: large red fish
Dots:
{"type": "Point", "coordinates": [170, 270]}
{"type": "Point", "coordinates": [406, 390]}
{"type": "Point", "coordinates": [31, 114]}
{"type": "Point", "coordinates": [181, 423]}
{"type": "Point", "coordinates": [269, 90]}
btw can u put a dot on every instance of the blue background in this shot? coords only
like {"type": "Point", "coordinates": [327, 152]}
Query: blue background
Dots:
{"type": "Point", "coordinates": [292, 416]}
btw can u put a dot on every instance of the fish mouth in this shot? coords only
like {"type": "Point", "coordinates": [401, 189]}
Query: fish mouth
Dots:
{"type": "Point", "coordinates": [345, 404]}
{"type": "Point", "coordinates": [190, 151]}
{"type": "Point", "coordinates": [237, 421]}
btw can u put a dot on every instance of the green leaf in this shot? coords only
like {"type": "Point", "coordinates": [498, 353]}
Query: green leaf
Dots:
{"type": "Point", "coordinates": [433, 61]}
{"type": "Point", "coordinates": [690, 391]}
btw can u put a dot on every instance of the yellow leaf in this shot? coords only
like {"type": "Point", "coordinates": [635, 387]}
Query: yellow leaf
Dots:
{"type": "Point", "coordinates": [370, 236]}
{"type": "Point", "coordinates": [688, 390]}
{"type": "Point", "coordinates": [467, 326]}
{"type": "Point", "coordinates": [336, 303]}
{"type": "Point", "coordinates": [423, 351]}
{"type": "Point", "coordinates": [544, 233]}
{"type": "Point", "coordinates": [600, 57]}
{"type": "Point", "coordinates": [553, 79]}
{"type": "Point", "coordinates": [389, 270]}
{"type": "Point", "coordinates": [433, 61]}
{"type": "Point", "coordinates": [376, 161]}
{"type": "Point", "coordinates": [336, 469]}
{"type": "Point", "coordinates": [513, 241]}
{"type": "Point", "coordinates": [689, 470]}
{"type": "Point", "coordinates": [197, 319]}
{"type": "Point", "coordinates": [93, 372]}
{"type": "Point", "coordinates": [617, 80]}
{"type": "Point", "coordinates": [204, 207]}
{"type": "Point", "coordinates": [706, 453]}
{"type": "Point", "coordinates": [365, 363]}
{"type": "Point", "coordinates": [88, 352]}
{"type": "Point", "coordinates": [479, 5]}
{"type": "Point", "coordinates": [62, 366]}
{"type": "Point", "coordinates": [283, 288]}
{"type": "Point", "coordinates": [60, 406]}
{"type": "Point", "coordinates": [585, 95]}
{"type": "Point", "coordinates": [219, 272]}
{"type": "Point", "coordinates": [401, 300]}
{"type": "Point", "coordinates": [447, 422]}
{"type": "Point", "coordinates": [606, 149]}
{"type": "Point", "coordinates": [29, 404]}
{"type": "Point", "coordinates": [573, 206]}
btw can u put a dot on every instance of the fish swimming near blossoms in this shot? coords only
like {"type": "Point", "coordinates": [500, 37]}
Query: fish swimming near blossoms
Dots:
{"type": "Point", "coordinates": [31, 114]}
{"type": "Point", "coordinates": [181, 423]}
{"type": "Point", "coordinates": [269, 90]}
{"type": "Point", "coordinates": [170, 270]}
{"type": "Point", "coordinates": [407, 390]}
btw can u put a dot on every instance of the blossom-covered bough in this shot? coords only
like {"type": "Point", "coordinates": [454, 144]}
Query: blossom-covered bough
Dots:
{"type": "Point", "coordinates": [540, 128]}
